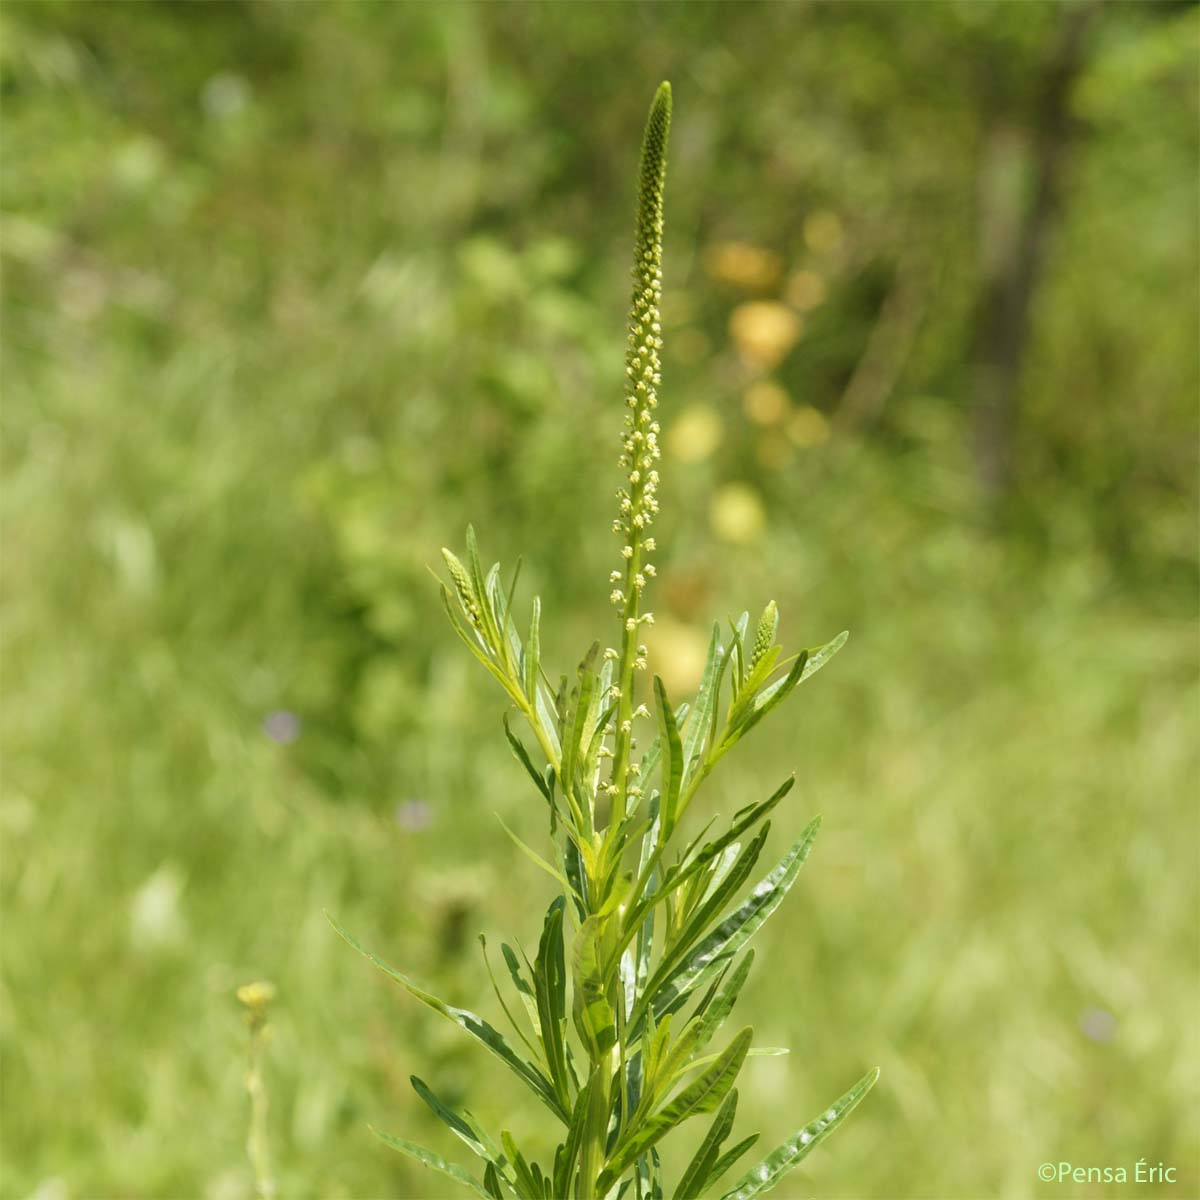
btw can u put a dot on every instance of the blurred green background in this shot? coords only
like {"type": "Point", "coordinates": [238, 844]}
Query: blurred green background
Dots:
{"type": "Point", "coordinates": [294, 291]}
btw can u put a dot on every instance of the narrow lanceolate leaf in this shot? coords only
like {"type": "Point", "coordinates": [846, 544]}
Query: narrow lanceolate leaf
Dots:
{"type": "Point", "coordinates": [686, 871]}
{"type": "Point", "coordinates": [678, 953]}
{"type": "Point", "coordinates": [532, 663]}
{"type": "Point", "coordinates": [476, 1026]}
{"type": "Point", "coordinates": [471, 635]}
{"type": "Point", "coordinates": [463, 1124]}
{"type": "Point", "coordinates": [594, 1018]}
{"type": "Point", "coordinates": [527, 1181]}
{"type": "Point", "coordinates": [697, 1171]}
{"type": "Point", "coordinates": [522, 756]}
{"type": "Point", "coordinates": [573, 741]}
{"type": "Point", "coordinates": [524, 989]}
{"type": "Point", "coordinates": [702, 1095]}
{"type": "Point", "coordinates": [742, 822]}
{"type": "Point", "coordinates": [814, 660]}
{"type": "Point", "coordinates": [535, 857]}
{"type": "Point", "coordinates": [647, 1178]}
{"type": "Point", "coordinates": [653, 755]}
{"type": "Point", "coordinates": [783, 1158]}
{"type": "Point", "coordinates": [479, 585]}
{"type": "Point", "coordinates": [551, 984]}
{"type": "Point", "coordinates": [819, 657]}
{"type": "Point", "coordinates": [737, 928]}
{"type": "Point", "coordinates": [738, 649]}
{"type": "Point", "coordinates": [487, 962]}
{"type": "Point", "coordinates": [672, 757]}
{"type": "Point", "coordinates": [434, 1161]}
{"type": "Point", "coordinates": [727, 1160]}
{"type": "Point", "coordinates": [699, 725]}
{"type": "Point", "coordinates": [491, 1182]}
{"type": "Point", "coordinates": [754, 705]}
{"type": "Point", "coordinates": [722, 1005]}
{"type": "Point", "coordinates": [568, 1152]}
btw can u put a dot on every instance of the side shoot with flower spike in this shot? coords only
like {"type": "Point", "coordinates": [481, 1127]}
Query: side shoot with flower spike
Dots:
{"type": "Point", "coordinates": [642, 952]}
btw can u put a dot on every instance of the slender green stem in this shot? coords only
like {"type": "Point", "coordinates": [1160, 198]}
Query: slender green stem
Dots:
{"type": "Point", "coordinates": [257, 997]}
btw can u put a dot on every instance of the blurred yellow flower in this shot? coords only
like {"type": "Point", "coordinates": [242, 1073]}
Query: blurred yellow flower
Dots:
{"type": "Point", "coordinates": [256, 996]}
{"type": "Point", "coordinates": [695, 434]}
{"type": "Point", "coordinates": [823, 233]}
{"type": "Point", "coordinates": [677, 652]}
{"type": "Point", "coordinates": [743, 265]}
{"type": "Point", "coordinates": [764, 331]}
{"type": "Point", "coordinates": [808, 427]}
{"type": "Point", "coordinates": [737, 514]}
{"type": "Point", "coordinates": [806, 290]}
{"type": "Point", "coordinates": [765, 402]}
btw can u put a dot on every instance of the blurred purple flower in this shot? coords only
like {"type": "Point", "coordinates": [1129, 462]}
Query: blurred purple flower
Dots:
{"type": "Point", "coordinates": [282, 726]}
{"type": "Point", "coordinates": [413, 815]}
{"type": "Point", "coordinates": [1097, 1024]}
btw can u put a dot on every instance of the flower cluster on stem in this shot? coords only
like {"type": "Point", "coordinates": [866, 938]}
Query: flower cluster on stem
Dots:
{"type": "Point", "coordinates": [640, 453]}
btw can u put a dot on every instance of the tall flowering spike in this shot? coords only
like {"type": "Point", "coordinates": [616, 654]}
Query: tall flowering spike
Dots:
{"type": "Point", "coordinates": [637, 501]}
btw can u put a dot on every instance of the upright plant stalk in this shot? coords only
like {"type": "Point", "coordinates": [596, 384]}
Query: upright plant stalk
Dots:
{"type": "Point", "coordinates": [657, 956]}
{"type": "Point", "coordinates": [639, 441]}
{"type": "Point", "coordinates": [257, 997]}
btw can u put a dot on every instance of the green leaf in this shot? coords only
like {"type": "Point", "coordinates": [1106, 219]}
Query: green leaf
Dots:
{"type": "Point", "coordinates": [743, 821]}
{"type": "Point", "coordinates": [672, 757]}
{"type": "Point", "coordinates": [524, 989]}
{"type": "Point", "coordinates": [648, 1177]}
{"type": "Point", "coordinates": [535, 857]}
{"type": "Point", "coordinates": [751, 706]}
{"type": "Point", "coordinates": [551, 985]}
{"type": "Point", "coordinates": [814, 660]}
{"type": "Point", "coordinates": [505, 646]}
{"type": "Point", "coordinates": [756, 676]}
{"type": "Point", "coordinates": [784, 1157]}
{"type": "Point", "coordinates": [738, 928]}
{"type": "Point", "coordinates": [491, 1182]}
{"type": "Point", "coordinates": [594, 1018]}
{"type": "Point", "coordinates": [476, 1026]}
{"type": "Point", "coordinates": [702, 1095]}
{"type": "Point", "coordinates": [669, 965]}
{"type": "Point", "coordinates": [522, 756]}
{"type": "Point", "coordinates": [490, 627]}
{"type": "Point", "coordinates": [738, 651]}
{"type": "Point", "coordinates": [532, 661]}
{"type": "Point", "coordinates": [680, 875]}
{"type": "Point", "coordinates": [699, 725]}
{"type": "Point", "coordinates": [526, 1185]}
{"type": "Point", "coordinates": [819, 657]}
{"type": "Point", "coordinates": [568, 1152]}
{"type": "Point", "coordinates": [691, 1184]}
{"type": "Point", "coordinates": [715, 1014]}
{"type": "Point", "coordinates": [472, 640]}
{"type": "Point", "coordinates": [727, 1160]}
{"type": "Point", "coordinates": [653, 755]}
{"type": "Point", "coordinates": [432, 1160]}
{"type": "Point", "coordinates": [464, 1125]}
{"type": "Point", "coordinates": [573, 743]}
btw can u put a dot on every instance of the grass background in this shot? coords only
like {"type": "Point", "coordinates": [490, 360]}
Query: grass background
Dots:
{"type": "Point", "coordinates": [292, 292]}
